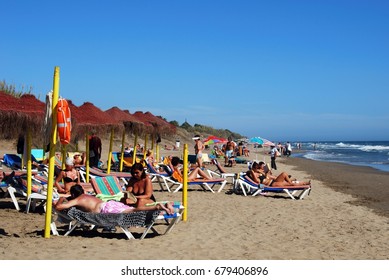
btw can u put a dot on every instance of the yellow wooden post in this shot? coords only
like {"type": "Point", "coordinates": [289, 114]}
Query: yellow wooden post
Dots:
{"type": "Point", "coordinates": [29, 171]}
{"type": "Point", "coordinates": [110, 153]}
{"type": "Point", "coordinates": [145, 147]}
{"type": "Point", "coordinates": [63, 151]}
{"type": "Point", "coordinates": [152, 142]}
{"type": "Point", "coordinates": [53, 142]}
{"type": "Point", "coordinates": [122, 151]}
{"type": "Point", "coordinates": [87, 157]}
{"type": "Point", "coordinates": [134, 152]}
{"type": "Point", "coordinates": [185, 184]}
{"type": "Point", "coordinates": [157, 152]}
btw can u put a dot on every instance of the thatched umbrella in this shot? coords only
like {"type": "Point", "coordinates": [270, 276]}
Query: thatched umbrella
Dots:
{"type": "Point", "coordinates": [20, 114]}
{"type": "Point", "coordinates": [130, 122]}
{"type": "Point", "coordinates": [88, 117]}
{"type": "Point", "coordinates": [161, 127]}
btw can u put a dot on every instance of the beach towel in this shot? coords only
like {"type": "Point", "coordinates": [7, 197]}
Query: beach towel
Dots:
{"type": "Point", "coordinates": [126, 220]}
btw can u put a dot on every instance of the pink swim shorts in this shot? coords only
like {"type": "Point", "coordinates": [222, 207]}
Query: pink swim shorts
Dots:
{"type": "Point", "coordinates": [114, 207]}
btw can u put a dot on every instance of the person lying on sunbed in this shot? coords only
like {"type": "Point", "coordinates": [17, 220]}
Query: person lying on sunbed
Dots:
{"type": "Point", "coordinates": [192, 176]}
{"type": "Point", "coordinates": [79, 159]}
{"type": "Point", "coordinates": [90, 203]}
{"type": "Point", "coordinates": [259, 175]}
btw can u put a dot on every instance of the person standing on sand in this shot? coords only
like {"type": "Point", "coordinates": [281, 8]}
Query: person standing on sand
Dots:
{"type": "Point", "coordinates": [229, 150]}
{"type": "Point", "coordinates": [288, 149]}
{"type": "Point", "coordinates": [94, 150]}
{"type": "Point", "coordinates": [199, 147]}
{"type": "Point", "coordinates": [273, 155]}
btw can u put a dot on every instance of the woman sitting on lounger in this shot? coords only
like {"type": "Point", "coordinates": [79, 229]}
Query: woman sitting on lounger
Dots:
{"type": "Point", "coordinates": [192, 176]}
{"type": "Point", "coordinates": [260, 176]}
{"type": "Point", "coordinates": [140, 185]}
{"type": "Point", "coordinates": [90, 203]}
{"type": "Point", "coordinates": [69, 175]}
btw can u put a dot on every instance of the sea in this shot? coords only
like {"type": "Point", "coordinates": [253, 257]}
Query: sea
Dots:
{"type": "Point", "coordinates": [363, 153]}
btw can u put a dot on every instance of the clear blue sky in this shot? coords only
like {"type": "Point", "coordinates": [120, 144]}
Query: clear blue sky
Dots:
{"type": "Point", "coordinates": [284, 70]}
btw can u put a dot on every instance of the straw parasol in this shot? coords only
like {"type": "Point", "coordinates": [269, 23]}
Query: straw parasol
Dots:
{"type": "Point", "coordinates": [88, 117]}
{"type": "Point", "coordinates": [131, 123]}
{"type": "Point", "coordinates": [19, 114]}
{"type": "Point", "coordinates": [161, 127]}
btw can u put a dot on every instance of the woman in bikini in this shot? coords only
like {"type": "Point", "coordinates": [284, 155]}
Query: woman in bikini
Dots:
{"type": "Point", "coordinates": [140, 186]}
{"type": "Point", "coordinates": [70, 177]}
{"type": "Point", "coordinates": [192, 176]}
{"type": "Point", "coordinates": [260, 176]}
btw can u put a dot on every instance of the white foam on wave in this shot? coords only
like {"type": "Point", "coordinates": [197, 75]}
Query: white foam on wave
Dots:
{"type": "Point", "coordinates": [320, 155]}
{"type": "Point", "coordinates": [365, 148]}
{"type": "Point", "coordinates": [370, 148]}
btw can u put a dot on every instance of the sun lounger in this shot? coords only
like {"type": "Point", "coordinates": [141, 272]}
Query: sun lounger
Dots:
{"type": "Point", "coordinates": [124, 221]}
{"type": "Point", "coordinates": [17, 186]}
{"type": "Point", "coordinates": [249, 186]}
{"type": "Point", "coordinates": [220, 172]}
{"type": "Point", "coordinates": [163, 178]}
{"type": "Point", "coordinates": [14, 161]}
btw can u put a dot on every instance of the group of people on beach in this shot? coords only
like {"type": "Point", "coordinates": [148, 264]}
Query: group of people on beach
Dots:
{"type": "Point", "coordinates": [137, 197]}
{"type": "Point", "coordinates": [139, 186]}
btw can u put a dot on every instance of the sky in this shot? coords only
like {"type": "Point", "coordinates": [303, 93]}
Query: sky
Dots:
{"type": "Point", "coordinates": [283, 70]}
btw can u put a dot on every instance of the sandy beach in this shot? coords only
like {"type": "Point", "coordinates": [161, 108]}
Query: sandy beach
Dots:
{"type": "Point", "coordinates": [345, 217]}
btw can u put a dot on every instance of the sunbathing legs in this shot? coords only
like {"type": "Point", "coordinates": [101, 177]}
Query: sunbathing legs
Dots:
{"type": "Point", "coordinates": [197, 172]}
{"type": "Point", "coordinates": [284, 180]}
{"type": "Point", "coordinates": [167, 207]}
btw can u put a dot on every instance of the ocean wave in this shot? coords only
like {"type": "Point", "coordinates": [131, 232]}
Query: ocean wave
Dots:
{"type": "Point", "coordinates": [365, 148]}
{"type": "Point", "coordinates": [320, 155]}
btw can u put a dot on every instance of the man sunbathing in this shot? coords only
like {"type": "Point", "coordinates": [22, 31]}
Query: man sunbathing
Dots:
{"type": "Point", "coordinates": [90, 203]}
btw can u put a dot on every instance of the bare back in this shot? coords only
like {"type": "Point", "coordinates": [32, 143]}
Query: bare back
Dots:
{"type": "Point", "coordinates": [84, 202]}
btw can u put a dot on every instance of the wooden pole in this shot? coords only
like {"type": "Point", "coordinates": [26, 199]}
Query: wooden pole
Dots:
{"type": "Point", "coordinates": [122, 152]}
{"type": "Point", "coordinates": [29, 161]}
{"type": "Point", "coordinates": [185, 184]}
{"type": "Point", "coordinates": [134, 152]}
{"type": "Point", "coordinates": [87, 157]}
{"type": "Point", "coordinates": [53, 142]}
{"type": "Point", "coordinates": [110, 152]}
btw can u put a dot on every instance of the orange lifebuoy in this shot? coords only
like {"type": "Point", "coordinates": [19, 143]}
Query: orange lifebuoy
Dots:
{"type": "Point", "coordinates": [64, 124]}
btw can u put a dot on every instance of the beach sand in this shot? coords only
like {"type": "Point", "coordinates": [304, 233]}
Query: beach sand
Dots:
{"type": "Point", "coordinates": [345, 217]}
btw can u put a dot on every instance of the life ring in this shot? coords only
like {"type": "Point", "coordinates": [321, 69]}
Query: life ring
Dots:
{"type": "Point", "coordinates": [64, 124]}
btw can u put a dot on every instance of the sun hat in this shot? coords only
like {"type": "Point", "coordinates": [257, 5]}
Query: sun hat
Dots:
{"type": "Point", "coordinates": [69, 161]}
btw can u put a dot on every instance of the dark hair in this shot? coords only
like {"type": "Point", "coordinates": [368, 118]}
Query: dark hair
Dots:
{"type": "Point", "coordinates": [138, 166]}
{"type": "Point", "coordinates": [76, 191]}
{"type": "Point", "coordinates": [175, 161]}
{"type": "Point", "coordinates": [255, 165]}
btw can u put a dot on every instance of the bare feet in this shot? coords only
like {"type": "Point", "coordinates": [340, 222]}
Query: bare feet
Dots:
{"type": "Point", "coordinates": [168, 207]}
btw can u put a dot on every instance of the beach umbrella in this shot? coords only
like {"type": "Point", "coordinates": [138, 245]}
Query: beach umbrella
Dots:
{"type": "Point", "coordinates": [256, 140]}
{"type": "Point", "coordinates": [211, 140]}
{"type": "Point", "coordinates": [261, 141]}
{"type": "Point", "coordinates": [267, 143]}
